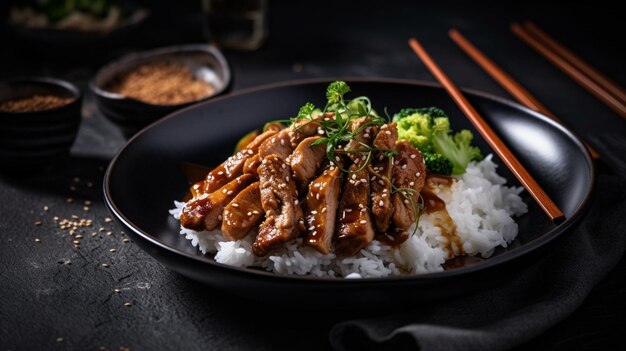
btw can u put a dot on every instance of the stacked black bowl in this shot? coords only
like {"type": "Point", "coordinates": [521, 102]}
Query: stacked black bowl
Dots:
{"type": "Point", "coordinates": [36, 139]}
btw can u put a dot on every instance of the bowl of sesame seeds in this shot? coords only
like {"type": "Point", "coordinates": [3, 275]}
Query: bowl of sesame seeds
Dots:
{"type": "Point", "coordinates": [39, 120]}
{"type": "Point", "coordinates": [142, 87]}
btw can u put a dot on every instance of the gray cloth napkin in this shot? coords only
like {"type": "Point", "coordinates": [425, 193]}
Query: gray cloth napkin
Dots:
{"type": "Point", "coordinates": [538, 297]}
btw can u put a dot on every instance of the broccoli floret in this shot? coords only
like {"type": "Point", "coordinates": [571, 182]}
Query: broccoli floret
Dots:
{"type": "Point", "coordinates": [437, 163]}
{"type": "Point", "coordinates": [457, 148]}
{"type": "Point", "coordinates": [428, 129]}
{"type": "Point", "coordinates": [336, 90]}
{"type": "Point", "coordinates": [417, 129]}
{"type": "Point", "coordinates": [306, 110]}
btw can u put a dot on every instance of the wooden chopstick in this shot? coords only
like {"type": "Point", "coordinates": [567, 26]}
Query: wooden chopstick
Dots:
{"type": "Point", "coordinates": [578, 62]}
{"type": "Point", "coordinates": [551, 209]}
{"type": "Point", "coordinates": [506, 81]}
{"type": "Point", "coordinates": [586, 82]}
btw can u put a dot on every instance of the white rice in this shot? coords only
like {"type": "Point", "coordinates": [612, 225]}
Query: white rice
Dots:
{"type": "Point", "coordinates": [479, 203]}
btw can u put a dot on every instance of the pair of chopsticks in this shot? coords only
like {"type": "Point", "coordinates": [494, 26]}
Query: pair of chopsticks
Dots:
{"type": "Point", "coordinates": [509, 159]}
{"type": "Point", "coordinates": [583, 73]}
{"type": "Point", "coordinates": [506, 81]}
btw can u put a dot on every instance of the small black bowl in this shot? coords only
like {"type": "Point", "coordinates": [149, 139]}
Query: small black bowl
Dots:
{"type": "Point", "coordinates": [36, 139]}
{"type": "Point", "coordinates": [204, 61]}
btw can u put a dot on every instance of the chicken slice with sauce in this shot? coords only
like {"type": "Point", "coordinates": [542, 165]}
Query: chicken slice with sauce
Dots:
{"type": "Point", "coordinates": [233, 166]}
{"type": "Point", "coordinates": [283, 214]}
{"type": "Point", "coordinates": [243, 213]}
{"type": "Point", "coordinates": [380, 177]}
{"type": "Point", "coordinates": [205, 212]}
{"type": "Point", "coordinates": [306, 160]}
{"type": "Point", "coordinates": [364, 135]}
{"type": "Point", "coordinates": [321, 209]}
{"type": "Point", "coordinates": [354, 224]}
{"type": "Point", "coordinates": [409, 175]}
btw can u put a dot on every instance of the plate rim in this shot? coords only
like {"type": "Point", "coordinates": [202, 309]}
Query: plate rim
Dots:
{"type": "Point", "coordinates": [491, 263]}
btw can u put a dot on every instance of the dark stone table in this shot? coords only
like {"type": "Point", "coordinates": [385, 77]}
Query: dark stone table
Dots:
{"type": "Point", "coordinates": [54, 296]}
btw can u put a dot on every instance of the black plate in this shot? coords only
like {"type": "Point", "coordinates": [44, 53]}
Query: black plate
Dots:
{"type": "Point", "coordinates": [144, 178]}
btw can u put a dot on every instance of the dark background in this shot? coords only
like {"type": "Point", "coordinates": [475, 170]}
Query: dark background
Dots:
{"type": "Point", "coordinates": [42, 299]}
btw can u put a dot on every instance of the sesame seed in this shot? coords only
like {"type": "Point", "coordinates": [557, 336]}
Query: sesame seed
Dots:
{"type": "Point", "coordinates": [69, 200]}
{"type": "Point", "coordinates": [101, 230]}
{"type": "Point", "coordinates": [323, 209]}
{"type": "Point", "coordinates": [381, 203]}
{"type": "Point", "coordinates": [366, 135]}
{"type": "Point", "coordinates": [86, 208]}
{"type": "Point", "coordinates": [109, 233]}
{"type": "Point", "coordinates": [55, 218]}
{"type": "Point", "coordinates": [283, 166]}
{"type": "Point", "coordinates": [417, 174]}
{"type": "Point", "coordinates": [127, 304]}
{"type": "Point", "coordinates": [230, 192]}
{"type": "Point", "coordinates": [76, 179]}
{"type": "Point", "coordinates": [78, 236]}
{"type": "Point", "coordinates": [219, 217]}
{"type": "Point", "coordinates": [363, 221]}
{"type": "Point", "coordinates": [37, 240]}
{"type": "Point", "coordinates": [412, 183]}
{"type": "Point", "coordinates": [117, 291]}
{"type": "Point", "coordinates": [37, 223]}
{"type": "Point", "coordinates": [67, 263]}
{"type": "Point", "coordinates": [348, 210]}
{"type": "Point", "coordinates": [45, 208]}
{"type": "Point", "coordinates": [112, 250]}
{"type": "Point", "coordinates": [406, 201]}
{"type": "Point", "coordinates": [59, 339]}
{"type": "Point", "coordinates": [282, 141]}
{"type": "Point", "coordinates": [354, 176]}
{"type": "Point", "coordinates": [404, 166]}
{"type": "Point", "coordinates": [72, 188]}
{"type": "Point", "coordinates": [387, 132]}
{"type": "Point", "coordinates": [373, 178]}
{"type": "Point", "coordinates": [224, 190]}
{"type": "Point", "coordinates": [314, 212]}
{"type": "Point", "coordinates": [295, 202]}
{"type": "Point", "coordinates": [87, 203]}
{"type": "Point", "coordinates": [413, 156]}
{"type": "Point", "coordinates": [125, 241]}
{"type": "Point", "coordinates": [89, 184]}
{"type": "Point", "coordinates": [249, 213]}
{"type": "Point", "coordinates": [360, 205]}
{"type": "Point", "coordinates": [220, 172]}
{"type": "Point", "coordinates": [94, 234]}
{"type": "Point", "coordinates": [381, 182]}
{"type": "Point", "coordinates": [317, 196]}
{"type": "Point", "coordinates": [76, 242]}
{"type": "Point", "coordinates": [107, 220]}
{"type": "Point", "coordinates": [312, 227]}
{"type": "Point", "coordinates": [105, 265]}
{"type": "Point", "coordinates": [250, 152]}
{"type": "Point", "coordinates": [74, 217]}
{"type": "Point", "coordinates": [321, 132]}
{"type": "Point", "coordinates": [235, 205]}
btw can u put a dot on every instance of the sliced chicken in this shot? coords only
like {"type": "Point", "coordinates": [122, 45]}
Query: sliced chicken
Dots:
{"type": "Point", "coordinates": [243, 213]}
{"type": "Point", "coordinates": [354, 230]}
{"type": "Point", "coordinates": [279, 144]}
{"type": "Point", "coordinates": [205, 212]}
{"type": "Point", "coordinates": [364, 135]}
{"type": "Point", "coordinates": [321, 209]}
{"type": "Point", "coordinates": [306, 160]}
{"type": "Point", "coordinates": [283, 214]}
{"type": "Point", "coordinates": [409, 175]}
{"type": "Point", "coordinates": [380, 177]}
{"type": "Point", "coordinates": [252, 164]}
{"type": "Point", "coordinates": [233, 166]}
